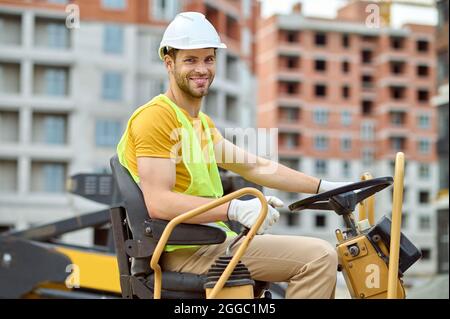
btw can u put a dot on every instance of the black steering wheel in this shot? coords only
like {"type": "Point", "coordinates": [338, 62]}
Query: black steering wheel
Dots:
{"type": "Point", "coordinates": [343, 200]}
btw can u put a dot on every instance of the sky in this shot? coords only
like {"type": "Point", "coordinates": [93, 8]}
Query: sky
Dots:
{"type": "Point", "coordinates": [401, 13]}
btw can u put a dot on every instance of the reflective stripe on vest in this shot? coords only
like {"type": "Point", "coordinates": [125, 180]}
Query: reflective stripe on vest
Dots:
{"type": "Point", "coordinates": [205, 177]}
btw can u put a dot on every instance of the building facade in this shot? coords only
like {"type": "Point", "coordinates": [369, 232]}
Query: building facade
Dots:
{"type": "Point", "coordinates": [346, 97]}
{"type": "Point", "coordinates": [440, 101]}
{"type": "Point", "coordinates": [66, 93]}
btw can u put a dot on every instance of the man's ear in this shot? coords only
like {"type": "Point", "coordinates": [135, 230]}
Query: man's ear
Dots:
{"type": "Point", "coordinates": [168, 62]}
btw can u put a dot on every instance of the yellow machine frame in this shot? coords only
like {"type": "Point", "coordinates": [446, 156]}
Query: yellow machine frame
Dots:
{"type": "Point", "coordinates": [367, 275]}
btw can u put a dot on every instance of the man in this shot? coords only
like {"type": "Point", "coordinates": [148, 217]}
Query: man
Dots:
{"type": "Point", "coordinates": [172, 150]}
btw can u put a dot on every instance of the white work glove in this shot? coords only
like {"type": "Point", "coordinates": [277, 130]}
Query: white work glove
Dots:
{"type": "Point", "coordinates": [326, 186]}
{"type": "Point", "coordinates": [246, 212]}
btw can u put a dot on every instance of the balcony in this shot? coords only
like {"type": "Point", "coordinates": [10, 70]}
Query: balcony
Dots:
{"type": "Point", "coordinates": [9, 78]}
{"type": "Point", "coordinates": [49, 128]}
{"type": "Point", "coordinates": [11, 26]}
{"type": "Point", "coordinates": [289, 141]}
{"type": "Point", "coordinates": [289, 89]}
{"type": "Point", "coordinates": [289, 37]}
{"type": "Point", "coordinates": [289, 64]}
{"type": "Point", "coordinates": [51, 81]}
{"type": "Point", "coordinates": [288, 115]}
{"type": "Point", "coordinates": [9, 127]}
{"type": "Point", "coordinates": [8, 173]}
{"type": "Point", "coordinates": [51, 34]}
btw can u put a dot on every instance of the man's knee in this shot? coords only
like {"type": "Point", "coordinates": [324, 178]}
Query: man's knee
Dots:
{"type": "Point", "coordinates": [330, 258]}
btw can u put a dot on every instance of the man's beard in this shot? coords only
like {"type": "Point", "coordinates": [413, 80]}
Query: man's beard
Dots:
{"type": "Point", "coordinates": [183, 84]}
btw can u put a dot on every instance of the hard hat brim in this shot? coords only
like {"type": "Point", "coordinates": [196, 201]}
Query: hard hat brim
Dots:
{"type": "Point", "coordinates": [193, 47]}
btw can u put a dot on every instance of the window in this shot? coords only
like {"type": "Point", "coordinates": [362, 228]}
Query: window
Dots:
{"type": "Point", "coordinates": [114, 4]}
{"type": "Point", "coordinates": [113, 39]}
{"type": "Point", "coordinates": [165, 9]}
{"type": "Point", "coordinates": [289, 87]}
{"type": "Point", "coordinates": [289, 114]}
{"type": "Point", "coordinates": [367, 81]}
{"type": "Point", "coordinates": [320, 221]}
{"type": "Point", "coordinates": [9, 127]}
{"type": "Point", "coordinates": [107, 132]}
{"type": "Point", "coordinates": [397, 92]}
{"type": "Point", "coordinates": [57, 35]}
{"type": "Point", "coordinates": [397, 67]}
{"type": "Point", "coordinates": [422, 70]}
{"type": "Point", "coordinates": [423, 95]}
{"type": "Point", "coordinates": [54, 129]}
{"type": "Point", "coordinates": [320, 39]}
{"type": "Point", "coordinates": [292, 88]}
{"type": "Point", "coordinates": [368, 156]}
{"type": "Point", "coordinates": [346, 92]}
{"type": "Point", "coordinates": [112, 86]}
{"type": "Point", "coordinates": [321, 116]}
{"type": "Point", "coordinates": [366, 56]}
{"type": "Point", "coordinates": [292, 141]}
{"type": "Point", "coordinates": [320, 90]}
{"type": "Point", "coordinates": [424, 146]}
{"type": "Point", "coordinates": [367, 131]}
{"type": "Point", "coordinates": [346, 118]}
{"type": "Point", "coordinates": [320, 65]}
{"type": "Point", "coordinates": [398, 118]}
{"type": "Point", "coordinates": [426, 253]}
{"type": "Point", "coordinates": [397, 43]}
{"type": "Point", "coordinates": [424, 222]}
{"type": "Point", "coordinates": [55, 81]}
{"type": "Point", "coordinates": [345, 40]}
{"type": "Point", "coordinates": [346, 144]}
{"type": "Point", "coordinates": [345, 67]}
{"type": "Point", "coordinates": [346, 169]}
{"type": "Point", "coordinates": [397, 143]}
{"type": "Point", "coordinates": [8, 173]}
{"type": "Point", "coordinates": [289, 140]}
{"type": "Point", "coordinates": [292, 62]}
{"type": "Point", "coordinates": [422, 45]}
{"type": "Point", "coordinates": [424, 197]}
{"type": "Point", "coordinates": [321, 143]}
{"type": "Point", "coordinates": [424, 171]}
{"type": "Point", "coordinates": [54, 178]}
{"type": "Point", "coordinates": [291, 36]}
{"type": "Point", "coordinates": [321, 167]}
{"type": "Point", "coordinates": [423, 121]}
{"type": "Point", "coordinates": [367, 108]}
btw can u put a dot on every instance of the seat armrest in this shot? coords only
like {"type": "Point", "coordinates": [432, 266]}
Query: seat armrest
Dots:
{"type": "Point", "coordinates": [187, 234]}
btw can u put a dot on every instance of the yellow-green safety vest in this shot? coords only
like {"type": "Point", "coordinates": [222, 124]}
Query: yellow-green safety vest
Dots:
{"type": "Point", "coordinates": [205, 179]}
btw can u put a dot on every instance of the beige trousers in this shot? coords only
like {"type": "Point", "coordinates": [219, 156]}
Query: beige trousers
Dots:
{"type": "Point", "coordinates": [308, 265]}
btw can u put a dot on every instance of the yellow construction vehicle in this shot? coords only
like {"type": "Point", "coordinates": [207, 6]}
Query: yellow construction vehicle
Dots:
{"type": "Point", "coordinates": [372, 257]}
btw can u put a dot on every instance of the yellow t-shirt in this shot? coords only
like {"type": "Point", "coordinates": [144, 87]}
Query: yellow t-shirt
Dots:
{"type": "Point", "coordinates": [154, 133]}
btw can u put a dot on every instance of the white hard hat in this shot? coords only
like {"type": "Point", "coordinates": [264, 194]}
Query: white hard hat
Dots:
{"type": "Point", "coordinates": [190, 30]}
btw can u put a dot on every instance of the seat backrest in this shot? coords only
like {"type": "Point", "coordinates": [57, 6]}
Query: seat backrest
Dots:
{"type": "Point", "coordinates": [133, 199]}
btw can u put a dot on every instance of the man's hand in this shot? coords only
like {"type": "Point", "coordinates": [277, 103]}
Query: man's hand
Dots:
{"type": "Point", "coordinates": [247, 211]}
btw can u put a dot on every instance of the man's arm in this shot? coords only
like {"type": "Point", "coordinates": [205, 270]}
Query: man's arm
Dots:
{"type": "Point", "coordinates": [262, 171]}
{"type": "Point", "coordinates": [157, 179]}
